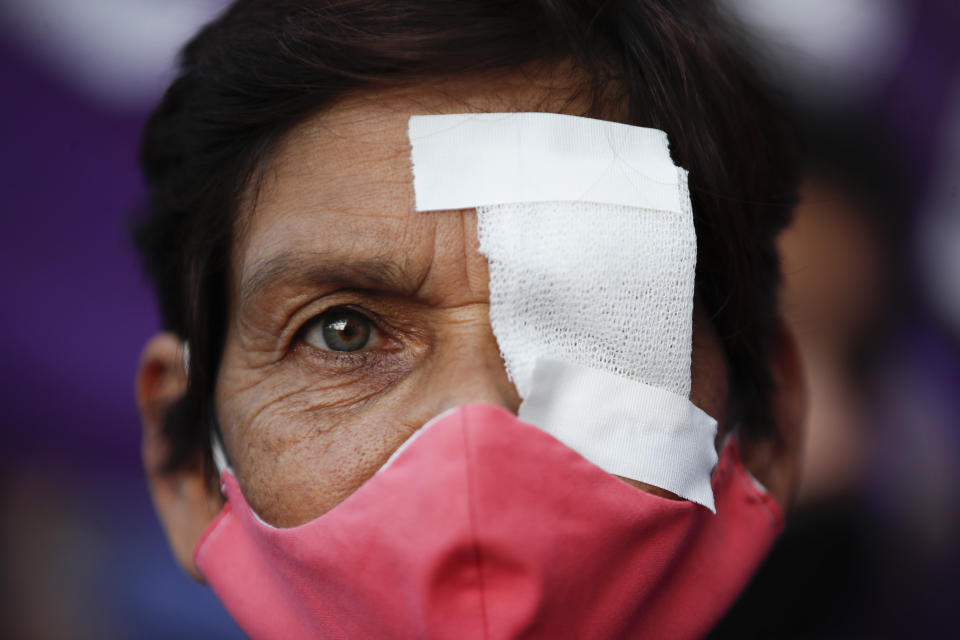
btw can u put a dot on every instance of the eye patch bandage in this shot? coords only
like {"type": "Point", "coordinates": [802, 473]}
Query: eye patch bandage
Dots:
{"type": "Point", "coordinates": [588, 231]}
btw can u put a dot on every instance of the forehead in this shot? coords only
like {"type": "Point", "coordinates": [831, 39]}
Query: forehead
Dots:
{"type": "Point", "coordinates": [339, 168]}
{"type": "Point", "coordinates": [337, 189]}
{"type": "Point", "coordinates": [341, 181]}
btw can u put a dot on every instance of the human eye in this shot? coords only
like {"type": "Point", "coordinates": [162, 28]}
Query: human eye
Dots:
{"type": "Point", "coordinates": [341, 329]}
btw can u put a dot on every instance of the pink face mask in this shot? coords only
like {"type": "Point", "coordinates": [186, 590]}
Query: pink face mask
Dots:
{"type": "Point", "coordinates": [488, 527]}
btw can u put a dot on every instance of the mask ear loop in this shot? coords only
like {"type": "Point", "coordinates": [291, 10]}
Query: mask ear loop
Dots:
{"type": "Point", "coordinates": [735, 435]}
{"type": "Point", "coordinates": [185, 358]}
{"type": "Point", "coordinates": [219, 452]}
{"type": "Point", "coordinates": [217, 449]}
{"type": "Point", "coordinates": [223, 464]}
{"type": "Point", "coordinates": [220, 459]}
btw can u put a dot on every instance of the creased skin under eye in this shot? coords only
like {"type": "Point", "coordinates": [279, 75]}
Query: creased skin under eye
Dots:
{"type": "Point", "coordinates": [340, 329]}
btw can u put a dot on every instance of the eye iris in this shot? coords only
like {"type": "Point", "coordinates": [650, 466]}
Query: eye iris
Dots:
{"type": "Point", "coordinates": [346, 331]}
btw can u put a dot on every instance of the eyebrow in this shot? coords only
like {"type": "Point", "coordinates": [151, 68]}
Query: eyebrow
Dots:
{"type": "Point", "coordinates": [295, 268]}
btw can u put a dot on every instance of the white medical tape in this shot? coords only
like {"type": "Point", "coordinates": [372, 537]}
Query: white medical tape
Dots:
{"type": "Point", "coordinates": [588, 232]}
{"type": "Point", "coordinates": [631, 429]}
{"type": "Point", "coordinates": [463, 161]}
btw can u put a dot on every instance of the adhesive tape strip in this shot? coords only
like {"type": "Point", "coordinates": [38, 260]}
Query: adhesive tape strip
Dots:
{"type": "Point", "coordinates": [463, 161]}
{"type": "Point", "coordinates": [629, 429]}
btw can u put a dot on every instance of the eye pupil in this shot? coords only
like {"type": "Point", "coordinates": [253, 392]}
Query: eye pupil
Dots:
{"type": "Point", "coordinates": [345, 330]}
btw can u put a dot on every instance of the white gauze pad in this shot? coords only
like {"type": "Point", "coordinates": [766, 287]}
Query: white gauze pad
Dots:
{"type": "Point", "coordinates": [588, 231]}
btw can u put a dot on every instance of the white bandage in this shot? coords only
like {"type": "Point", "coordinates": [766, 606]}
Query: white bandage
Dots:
{"type": "Point", "coordinates": [588, 232]}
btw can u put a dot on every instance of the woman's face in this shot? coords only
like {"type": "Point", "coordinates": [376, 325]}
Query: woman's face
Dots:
{"type": "Point", "coordinates": [353, 318]}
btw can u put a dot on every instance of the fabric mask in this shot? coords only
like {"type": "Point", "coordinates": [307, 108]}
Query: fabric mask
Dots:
{"type": "Point", "coordinates": [488, 527]}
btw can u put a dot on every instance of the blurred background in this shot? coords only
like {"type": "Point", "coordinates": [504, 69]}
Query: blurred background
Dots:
{"type": "Point", "coordinates": [872, 269]}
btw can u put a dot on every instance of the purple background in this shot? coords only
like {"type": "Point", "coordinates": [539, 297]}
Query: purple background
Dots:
{"type": "Point", "coordinates": [81, 553]}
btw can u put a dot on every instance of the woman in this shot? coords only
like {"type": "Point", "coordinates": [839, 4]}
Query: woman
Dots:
{"type": "Point", "coordinates": [327, 320]}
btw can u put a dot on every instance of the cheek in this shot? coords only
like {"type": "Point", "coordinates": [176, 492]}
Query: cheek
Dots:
{"type": "Point", "coordinates": [301, 442]}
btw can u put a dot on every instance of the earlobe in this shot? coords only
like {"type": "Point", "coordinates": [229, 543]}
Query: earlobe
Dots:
{"type": "Point", "coordinates": [182, 497]}
{"type": "Point", "coordinates": [775, 461]}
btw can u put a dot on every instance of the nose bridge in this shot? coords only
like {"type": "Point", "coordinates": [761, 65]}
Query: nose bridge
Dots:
{"type": "Point", "coordinates": [469, 369]}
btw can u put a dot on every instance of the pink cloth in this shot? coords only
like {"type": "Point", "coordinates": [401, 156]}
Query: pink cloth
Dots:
{"type": "Point", "coordinates": [487, 527]}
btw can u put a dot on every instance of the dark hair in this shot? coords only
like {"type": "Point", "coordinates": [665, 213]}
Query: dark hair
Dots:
{"type": "Point", "coordinates": [265, 65]}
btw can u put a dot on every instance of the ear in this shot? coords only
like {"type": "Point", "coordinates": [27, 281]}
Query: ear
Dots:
{"type": "Point", "coordinates": [776, 461]}
{"type": "Point", "coordinates": [182, 497]}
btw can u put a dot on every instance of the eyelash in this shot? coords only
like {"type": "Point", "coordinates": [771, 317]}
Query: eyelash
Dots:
{"type": "Point", "coordinates": [360, 358]}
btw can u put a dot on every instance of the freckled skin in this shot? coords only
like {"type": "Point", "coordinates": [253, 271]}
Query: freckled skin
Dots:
{"type": "Point", "coordinates": [303, 427]}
